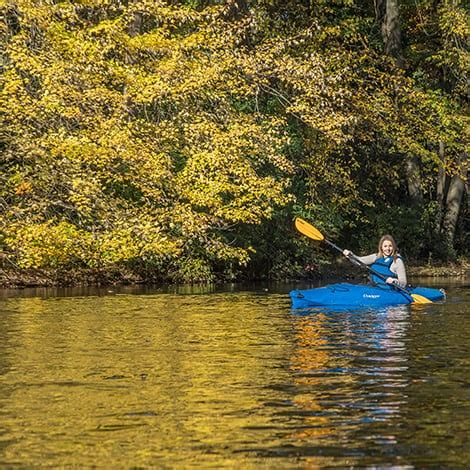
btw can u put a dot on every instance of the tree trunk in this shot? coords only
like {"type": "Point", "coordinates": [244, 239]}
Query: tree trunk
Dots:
{"type": "Point", "coordinates": [440, 188]}
{"type": "Point", "coordinates": [391, 31]}
{"type": "Point", "coordinates": [452, 209]}
{"type": "Point", "coordinates": [388, 13]}
{"type": "Point", "coordinates": [413, 173]}
{"type": "Point", "coordinates": [136, 24]}
{"type": "Point", "coordinates": [380, 9]}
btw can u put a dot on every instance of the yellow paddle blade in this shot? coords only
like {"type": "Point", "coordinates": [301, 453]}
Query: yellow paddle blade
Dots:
{"type": "Point", "coordinates": [308, 230]}
{"type": "Point", "coordinates": [419, 299]}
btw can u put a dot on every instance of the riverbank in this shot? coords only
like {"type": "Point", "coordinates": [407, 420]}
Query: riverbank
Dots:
{"type": "Point", "coordinates": [68, 278]}
{"type": "Point", "coordinates": [12, 277]}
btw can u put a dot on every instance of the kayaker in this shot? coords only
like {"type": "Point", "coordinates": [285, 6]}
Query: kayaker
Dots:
{"type": "Point", "coordinates": [386, 261]}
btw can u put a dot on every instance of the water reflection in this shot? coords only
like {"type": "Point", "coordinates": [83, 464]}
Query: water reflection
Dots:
{"type": "Point", "coordinates": [154, 379]}
{"type": "Point", "coordinates": [226, 379]}
{"type": "Point", "coordinates": [349, 368]}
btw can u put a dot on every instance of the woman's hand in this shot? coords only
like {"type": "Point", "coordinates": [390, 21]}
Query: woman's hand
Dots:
{"type": "Point", "coordinates": [347, 253]}
{"type": "Point", "coordinates": [391, 280]}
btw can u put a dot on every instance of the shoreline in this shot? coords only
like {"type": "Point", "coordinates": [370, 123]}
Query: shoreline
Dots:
{"type": "Point", "coordinates": [17, 278]}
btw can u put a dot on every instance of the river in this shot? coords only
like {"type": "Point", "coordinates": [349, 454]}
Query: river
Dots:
{"type": "Point", "coordinates": [230, 376]}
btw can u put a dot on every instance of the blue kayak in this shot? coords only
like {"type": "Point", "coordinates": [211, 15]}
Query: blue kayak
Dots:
{"type": "Point", "coordinates": [359, 294]}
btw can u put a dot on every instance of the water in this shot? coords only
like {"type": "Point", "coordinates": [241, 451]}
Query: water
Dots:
{"type": "Point", "coordinates": [230, 377]}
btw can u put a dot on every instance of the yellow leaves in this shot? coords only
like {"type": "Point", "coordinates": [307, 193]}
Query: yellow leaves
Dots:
{"type": "Point", "coordinates": [223, 252]}
{"type": "Point", "coordinates": [19, 185]}
{"type": "Point", "coordinates": [22, 58]}
{"type": "Point", "coordinates": [23, 188]}
{"type": "Point", "coordinates": [454, 21]}
{"type": "Point", "coordinates": [227, 170]}
{"type": "Point", "coordinates": [156, 128]}
{"type": "Point", "coordinates": [116, 246]}
{"type": "Point", "coordinates": [161, 44]}
{"type": "Point", "coordinates": [134, 236]}
{"type": "Point", "coordinates": [323, 119]}
{"type": "Point", "coordinates": [53, 245]}
{"type": "Point", "coordinates": [107, 28]}
{"type": "Point", "coordinates": [146, 88]}
{"type": "Point", "coordinates": [83, 194]}
{"type": "Point", "coordinates": [152, 42]}
{"type": "Point", "coordinates": [47, 245]}
{"type": "Point", "coordinates": [192, 269]}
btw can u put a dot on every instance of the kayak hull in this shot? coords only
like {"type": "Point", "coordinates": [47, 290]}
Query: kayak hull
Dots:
{"type": "Point", "coordinates": [359, 295]}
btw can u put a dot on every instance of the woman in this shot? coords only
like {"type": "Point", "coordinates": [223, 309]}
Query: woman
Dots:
{"type": "Point", "coordinates": [386, 262]}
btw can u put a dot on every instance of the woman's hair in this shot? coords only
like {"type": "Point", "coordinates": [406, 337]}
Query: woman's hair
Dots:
{"type": "Point", "coordinates": [394, 245]}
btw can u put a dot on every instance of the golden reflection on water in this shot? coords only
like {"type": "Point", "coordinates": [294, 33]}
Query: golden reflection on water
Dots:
{"type": "Point", "coordinates": [148, 379]}
{"type": "Point", "coordinates": [219, 380]}
{"type": "Point", "coordinates": [310, 356]}
{"type": "Point", "coordinates": [155, 379]}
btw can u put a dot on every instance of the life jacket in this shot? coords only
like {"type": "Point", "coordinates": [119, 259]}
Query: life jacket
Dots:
{"type": "Point", "coordinates": [382, 266]}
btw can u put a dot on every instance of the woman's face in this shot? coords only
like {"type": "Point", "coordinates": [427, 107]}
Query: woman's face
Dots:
{"type": "Point", "coordinates": [387, 247]}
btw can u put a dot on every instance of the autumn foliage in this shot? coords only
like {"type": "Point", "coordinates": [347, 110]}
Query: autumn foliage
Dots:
{"type": "Point", "coordinates": [180, 138]}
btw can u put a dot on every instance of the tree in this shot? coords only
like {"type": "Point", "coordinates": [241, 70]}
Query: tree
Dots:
{"type": "Point", "coordinates": [130, 133]}
{"type": "Point", "coordinates": [177, 138]}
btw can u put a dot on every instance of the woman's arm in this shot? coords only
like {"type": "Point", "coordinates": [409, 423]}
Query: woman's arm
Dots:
{"type": "Point", "coordinates": [398, 267]}
{"type": "Point", "coordinates": [368, 259]}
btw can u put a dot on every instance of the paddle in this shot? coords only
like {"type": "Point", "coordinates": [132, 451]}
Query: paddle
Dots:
{"type": "Point", "coordinates": [310, 231]}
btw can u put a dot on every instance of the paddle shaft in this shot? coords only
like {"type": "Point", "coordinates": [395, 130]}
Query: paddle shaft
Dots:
{"type": "Point", "coordinates": [373, 271]}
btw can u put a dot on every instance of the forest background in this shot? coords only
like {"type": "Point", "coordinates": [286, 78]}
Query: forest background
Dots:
{"type": "Point", "coordinates": [176, 141]}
